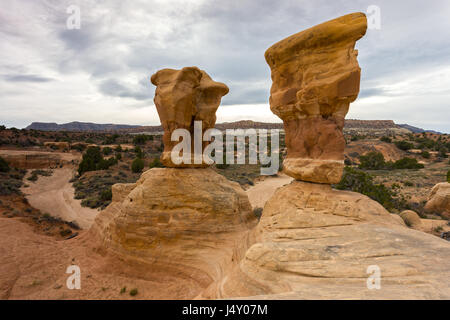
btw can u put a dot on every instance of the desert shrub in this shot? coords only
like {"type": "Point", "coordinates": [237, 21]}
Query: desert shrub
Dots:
{"type": "Point", "coordinates": [359, 181]}
{"type": "Point", "coordinates": [118, 148]}
{"type": "Point", "coordinates": [133, 292]}
{"type": "Point", "coordinates": [118, 156]}
{"type": "Point", "coordinates": [407, 163]}
{"type": "Point", "coordinates": [2, 128]}
{"type": "Point", "coordinates": [448, 176]}
{"type": "Point", "coordinates": [91, 202]}
{"type": "Point", "coordinates": [107, 151]}
{"type": "Point", "coordinates": [140, 139]}
{"type": "Point", "coordinates": [111, 139]}
{"type": "Point", "coordinates": [443, 152]}
{"type": "Point", "coordinates": [137, 165]}
{"type": "Point", "coordinates": [372, 161]}
{"type": "Point", "coordinates": [408, 183]}
{"type": "Point", "coordinates": [11, 181]}
{"type": "Point", "coordinates": [139, 153]}
{"type": "Point", "coordinates": [386, 139]}
{"type": "Point", "coordinates": [4, 166]}
{"type": "Point", "coordinates": [425, 154]}
{"type": "Point", "coordinates": [156, 163]}
{"type": "Point", "coordinates": [404, 145]}
{"type": "Point", "coordinates": [106, 195]}
{"type": "Point", "coordinates": [93, 160]}
{"type": "Point", "coordinates": [33, 177]}
{"type": "Point", "coordinates": [79, 147]}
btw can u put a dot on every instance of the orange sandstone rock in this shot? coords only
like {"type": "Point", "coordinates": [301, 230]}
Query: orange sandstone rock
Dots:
{"type": "Point", "coordinates": [316, 76]}
{"type": "Point", "coordinates": [182, 97]}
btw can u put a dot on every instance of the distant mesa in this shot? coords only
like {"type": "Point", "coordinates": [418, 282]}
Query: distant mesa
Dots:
{"type": "Point", "coordinates": [350, 124]}
{"type": "Point", "coordinates": [77, 126]}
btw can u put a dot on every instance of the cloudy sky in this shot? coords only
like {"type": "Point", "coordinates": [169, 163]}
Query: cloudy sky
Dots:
{"type": "Point", "coordinates": [100, 72]}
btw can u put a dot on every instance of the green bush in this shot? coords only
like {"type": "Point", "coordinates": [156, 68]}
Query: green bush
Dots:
{"type": "Point", "coordinates": [93, 160]}
{"type": "Point", "coordinates": [404, 145]}
{"type": "Point", "coordinates": [106, 195]}
{"type": "Point", "coordinates": [133, 292]}
{"type": "Point", "coordinates": [111, 139]}
{"type": "Point", "coordinates": [107, 151]}
{"type": "Point", "coordinates": [140, 139]}
{"type": "Point", "coordinates": [138, 165]}
{"type": "Point", "coordinates": [359, 181]}
{"type": "Point", "coordinates": [372, 161]}
{"type": "Point", "coordinates": [426, 154]}
{"type": "Point", "coordinates": [139, 153]}
{"type": "Point", "coordinates": [4, 166]}
{"type": "Point", "coordinates": [407, 163]}
{"type": "Point", "coordinates": [448, 176]}
{"type": "Point", "coordinates": [386, 139]}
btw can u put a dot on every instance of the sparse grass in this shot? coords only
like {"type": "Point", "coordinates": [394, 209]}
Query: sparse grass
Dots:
{"type": "Point", "coordinates": [94, 189]}
{"type": "Point", "coordinates": [11, 181]}
{"type": "Point", "coordinates": [123, 290]}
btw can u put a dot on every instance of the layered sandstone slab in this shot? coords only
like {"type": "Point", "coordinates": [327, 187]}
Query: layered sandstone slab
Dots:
{"type": "Point", "coordinates": [314, 242]}
{"type": "Point", "coordinates": [182, 97]}
{"type": "Point", "coordinates": [193, 223]}
{"type": "Point", "coordinates": [439, 200]}
{"type": "Point", "coordinates": [24, 159]}
{"type": "Point", "coordinates": [316, 76]}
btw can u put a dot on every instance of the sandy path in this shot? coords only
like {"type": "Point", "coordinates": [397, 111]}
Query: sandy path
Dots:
{"type": "Point", "coordinates": [55, 195]}
{"type": "Point", "coordinates": [263, 190]}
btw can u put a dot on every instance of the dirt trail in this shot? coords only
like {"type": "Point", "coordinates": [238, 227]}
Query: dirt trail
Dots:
{"type": "Point", "coordinates": [55, 195]}
{"type": "Point", "coordinates": [263, 190]}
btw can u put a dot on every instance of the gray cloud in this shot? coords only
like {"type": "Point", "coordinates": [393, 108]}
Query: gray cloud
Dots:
{"type": "Point", "coordinates": [121, 44]}
{"type": "Point", "coordinates": [112, 87]}
{"type": "Point", "coordinates": [25, 78]}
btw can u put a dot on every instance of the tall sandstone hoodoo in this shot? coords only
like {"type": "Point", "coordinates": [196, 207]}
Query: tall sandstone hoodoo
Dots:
{"type": "Point", "coordinates": [316, 76]}
{"type": "Point", "coordinates": [182, 97]}
{"type": "Point", "coordinates": [190, 224]}
{"type": "Point", "coordinates": [313, 242]}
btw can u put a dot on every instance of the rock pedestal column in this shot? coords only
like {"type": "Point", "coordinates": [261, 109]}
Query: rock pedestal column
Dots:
{"type": "Point", "coordinates": [316, 76]}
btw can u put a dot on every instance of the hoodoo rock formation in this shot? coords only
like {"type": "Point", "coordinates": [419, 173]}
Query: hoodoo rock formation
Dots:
{"type": "Point", "coordinates": [313, 242]}
{"type": "Point", "coordinates": [191, 223]}
{"type": "Point", "coordinates": [182, 97]}
{"type": "Point", "coordinates": [316, 76]}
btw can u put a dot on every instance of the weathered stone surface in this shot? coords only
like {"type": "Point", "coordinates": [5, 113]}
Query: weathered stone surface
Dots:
{"type": "Point", "coordinates": [121, 190]}
{"type": "Point", "coordinates": [439, 200]}
{"type": "Point", "coordinates": [24, 159]}
{"type": "Point", "coordinates": [182, 97]}
{"type": "Point", "coordinates": [316, 76]}
{"type": "Point", "coordinates": [411, 219]}
{"type": "Point", "coordinates": [313, 242]}
{"type": "Point", "coordinates": [193, 222]}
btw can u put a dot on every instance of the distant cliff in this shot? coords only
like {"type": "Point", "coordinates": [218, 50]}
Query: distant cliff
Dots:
{"type": "Point", "coordinates": [78, 126]}
{"type": "Point", "coordinates": [350, 124]}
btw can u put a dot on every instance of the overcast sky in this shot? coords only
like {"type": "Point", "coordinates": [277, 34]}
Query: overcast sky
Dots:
{"type": "Point", "coordinates": [100, 72]}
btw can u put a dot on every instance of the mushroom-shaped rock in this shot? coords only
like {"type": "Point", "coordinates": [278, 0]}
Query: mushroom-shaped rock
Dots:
{"type": "Point", "coordinates": [316, 76]}
{"type": "Point", "coordinates": [181, 98]}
